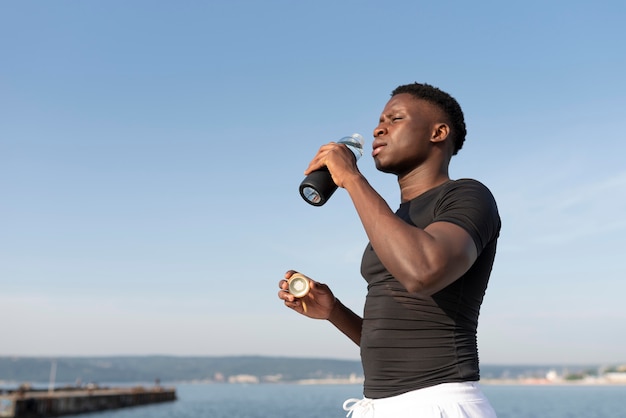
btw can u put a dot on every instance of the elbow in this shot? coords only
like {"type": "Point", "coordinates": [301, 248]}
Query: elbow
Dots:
{"type": "Point", "coordinates": [424, 283]}
{"type": "Point", "coordinates": [420, 288]}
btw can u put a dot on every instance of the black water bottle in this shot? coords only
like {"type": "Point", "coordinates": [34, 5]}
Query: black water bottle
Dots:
{"type": "Point", "coordinates": [319, 186]}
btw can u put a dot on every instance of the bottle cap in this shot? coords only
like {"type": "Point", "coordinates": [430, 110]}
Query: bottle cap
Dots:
{"type": "Point", "coordinates": [299, 285]}
{"type": "Point", "coordinates": [358, 137]}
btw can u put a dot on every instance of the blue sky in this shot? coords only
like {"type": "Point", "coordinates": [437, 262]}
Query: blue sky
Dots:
{"type": "Point", "coordinates": [151, 151]}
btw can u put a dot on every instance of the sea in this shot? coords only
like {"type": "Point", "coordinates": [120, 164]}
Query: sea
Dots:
{"type": "Point", "coordinates": [215, 400]}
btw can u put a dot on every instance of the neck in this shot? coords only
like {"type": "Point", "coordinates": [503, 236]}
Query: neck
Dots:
{"type": "Point", "coordinates": [421, 180]}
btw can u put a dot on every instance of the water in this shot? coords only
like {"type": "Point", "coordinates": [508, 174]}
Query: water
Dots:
{"type": "Point", "coordinates": [557, 401]}
{"type": "Point", "coordinates": [325, 401]}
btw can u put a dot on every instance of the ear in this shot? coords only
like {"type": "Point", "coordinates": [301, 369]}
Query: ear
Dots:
{"type": "Point", "coordinates": [440, 132]}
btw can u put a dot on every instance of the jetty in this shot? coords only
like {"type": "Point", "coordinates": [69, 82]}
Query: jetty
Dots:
{"type": "Point", "coordinates": [29, 403]}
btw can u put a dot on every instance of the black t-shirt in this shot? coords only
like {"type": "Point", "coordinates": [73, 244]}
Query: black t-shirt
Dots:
{"type": "Point", "coordinates": [409, 341]}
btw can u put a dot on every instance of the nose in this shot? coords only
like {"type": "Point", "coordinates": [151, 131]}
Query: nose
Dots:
{"type": "Point", "coordinates": [379, 130]}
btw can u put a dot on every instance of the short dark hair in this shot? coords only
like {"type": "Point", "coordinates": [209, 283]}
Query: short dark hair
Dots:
{"type": "Point", "coordinates": [445, 102]}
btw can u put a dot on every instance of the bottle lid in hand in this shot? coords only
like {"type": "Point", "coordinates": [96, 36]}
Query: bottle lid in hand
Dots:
{"type": "Point", "coordinates": [299, 285]}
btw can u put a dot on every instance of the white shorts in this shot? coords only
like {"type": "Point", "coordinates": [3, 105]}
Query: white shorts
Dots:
{"type": "Point", "coordinates": [447, 400]}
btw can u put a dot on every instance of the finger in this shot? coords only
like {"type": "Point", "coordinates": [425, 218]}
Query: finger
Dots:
{"type": "Point", "coordinates": [292, 305]}
{"type": "Point", "coordinates": [319, 160]}
{"type": "Point", "coordinates": [314, 285]}
{"type": "Point", "coordinates": [286, 296]}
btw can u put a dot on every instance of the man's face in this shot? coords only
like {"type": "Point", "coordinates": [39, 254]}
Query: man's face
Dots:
{"type": "Point", "coordinates": [402, 139]}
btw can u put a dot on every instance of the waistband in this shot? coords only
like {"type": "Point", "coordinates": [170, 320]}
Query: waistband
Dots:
{"type": "Point", "coordinates": [464, 392]}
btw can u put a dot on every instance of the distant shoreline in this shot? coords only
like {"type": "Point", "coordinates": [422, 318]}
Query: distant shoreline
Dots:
{"type": "Point", "coordinates": [6, 385]}
{"type": "Point", "coordinates": [78, 371]}
{"type": "Point", "coordinates": [544, 382]}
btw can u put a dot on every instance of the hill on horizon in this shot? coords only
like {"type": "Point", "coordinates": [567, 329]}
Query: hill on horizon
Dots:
{"type": "Point", "coordinates": [166, 368]}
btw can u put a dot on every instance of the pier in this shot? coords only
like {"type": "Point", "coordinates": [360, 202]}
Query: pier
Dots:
{"type": "Point", "coordinates": [41, 404]}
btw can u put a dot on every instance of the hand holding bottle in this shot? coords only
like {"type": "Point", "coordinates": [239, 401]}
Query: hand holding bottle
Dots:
{"type": "Point", "coordinates": [319, 186]}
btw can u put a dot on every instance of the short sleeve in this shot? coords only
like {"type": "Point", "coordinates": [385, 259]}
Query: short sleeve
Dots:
{"type": "Point", "coordinates": [470, 205]}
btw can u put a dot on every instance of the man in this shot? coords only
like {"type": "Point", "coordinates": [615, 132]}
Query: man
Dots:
{"type": "Point", "coordinates": [427, 265]}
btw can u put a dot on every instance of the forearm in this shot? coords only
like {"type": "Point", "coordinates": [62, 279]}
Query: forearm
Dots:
{"type": "Point", "coordinates": [346, 321]}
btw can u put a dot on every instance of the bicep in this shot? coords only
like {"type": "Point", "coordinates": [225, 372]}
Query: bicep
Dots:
{"type": "Point", "coordinates": [456, 252]}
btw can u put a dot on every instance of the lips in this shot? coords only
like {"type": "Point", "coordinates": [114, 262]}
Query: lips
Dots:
{"type": "Point", "coordinates": [377, 147]}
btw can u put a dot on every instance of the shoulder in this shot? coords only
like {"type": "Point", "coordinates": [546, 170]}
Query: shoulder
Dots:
{"type": "Point", "coordinates": [471, 205]}
{"type": "Point", "coordinates": [468, 189]}
{"type": "Point", "coordinates": [467, 185]}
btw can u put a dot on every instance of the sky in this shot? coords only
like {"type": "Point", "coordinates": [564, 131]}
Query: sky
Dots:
{"type": "Point", "coordinates": [151, 152]}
